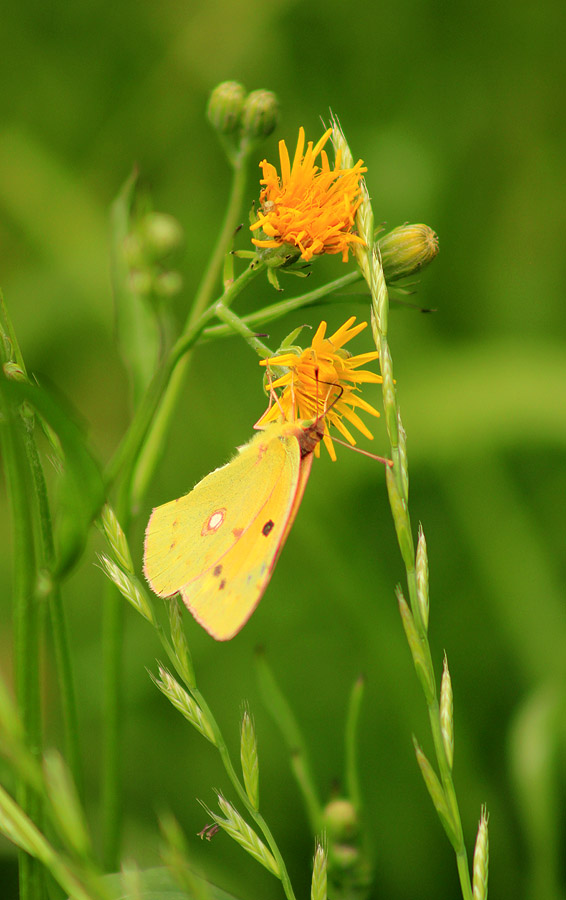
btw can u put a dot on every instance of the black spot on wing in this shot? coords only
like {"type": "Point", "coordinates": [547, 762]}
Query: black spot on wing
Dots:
{"type": "Point", "coordinates": [269, 525]}
{"type": "Point", "coordinates": [222, 585]}
{"type": "Point", "coordinates": [217, 570]}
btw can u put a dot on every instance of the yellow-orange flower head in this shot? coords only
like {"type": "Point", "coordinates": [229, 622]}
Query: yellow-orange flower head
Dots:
{"type": "Point", "coordinates": [310, 207]}
{"type": "Point", "coordinates": [323, 380]}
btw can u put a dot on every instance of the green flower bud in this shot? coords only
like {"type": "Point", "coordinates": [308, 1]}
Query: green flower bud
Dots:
{"type": "Point", "coordinates": [260, 114]}
{"type": "Point", "coordinates": [167, 284]}
{"type": "Point", "coordinates": [225, 106]}
{"type": "Point", "coordinates": [340, 821]}
{"type": "Point", "coordinates": [481, 859]}
{"type": "Point", "coordinates": [447, 713]}
{"type": "Point", "coordinates": [160, 234]}
{"type": "Point", "coordinates": [407, 249]}
{"type": "Point", "coordinates": [14, 372]}
{"type": "Point", "coordinates": [140, 282]}
{"type": "Point", "coordinates": [344, 857]}
{"type": "Point", "coordinates": [319, 874]}
{"type": "Point", "coordinates": [133, 251]}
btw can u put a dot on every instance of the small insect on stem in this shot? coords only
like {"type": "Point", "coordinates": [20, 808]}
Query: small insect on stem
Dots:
{"type": "Point", "coordinates": [208, 832]}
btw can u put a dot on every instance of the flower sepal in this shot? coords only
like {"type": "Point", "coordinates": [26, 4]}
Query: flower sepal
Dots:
{"type": "Point", "coordinates": [279, 257]}
{"type": "Point", "coordinates": [284, 257]}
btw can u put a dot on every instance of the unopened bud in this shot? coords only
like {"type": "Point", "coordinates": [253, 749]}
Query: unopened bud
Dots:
{"type": "Point", "coordinates": [140, 281]}
{"type": "Point", "coordinates": [260, 114]}
{"type": "Point", "coordinates": [225, 106]}
{"type": "Point", "coordinates": [481, 859]}
{"type": "Point", "coordinates": [340, 821]}
{"type": "Point", "coordinates": [406, 250]}
{"type": "Point", "coordinates": [421, 566]}
{"type": "Point", "coordinates": [133, 251]}
{"type": "Point", "coordinates": [319, 876]}
{"type": "Point", "coordinates": [14, 372]}
{"type": "Point", "coordinates": [160, 234]}
{"type": "Point", "coordinates": [447, 713]}
{"type": "Point", "coordinates": [249, 758]}
{"type": "Point", "coordinates": [168, 284]}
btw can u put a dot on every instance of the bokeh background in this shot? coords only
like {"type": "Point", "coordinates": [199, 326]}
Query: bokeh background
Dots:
{"type": "Point", "coordinates": [458, 111]}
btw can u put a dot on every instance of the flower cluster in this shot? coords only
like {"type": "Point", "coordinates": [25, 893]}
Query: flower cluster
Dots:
{"type": "Point", "coordinates": [310, 207]}
{"type": "Point", "coordinates": [323, 381]}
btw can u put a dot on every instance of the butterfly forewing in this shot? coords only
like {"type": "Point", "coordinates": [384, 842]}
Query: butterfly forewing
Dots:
{"type": "Point", "coordinates": [218, 544]}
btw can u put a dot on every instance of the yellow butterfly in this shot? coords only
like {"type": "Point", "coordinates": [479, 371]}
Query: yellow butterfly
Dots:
{"type": "Point", "coordinates": [217, 546]}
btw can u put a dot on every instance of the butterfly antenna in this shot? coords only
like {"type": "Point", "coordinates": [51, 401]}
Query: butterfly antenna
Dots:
{"type": "Point", "coordinates": [334, 401]}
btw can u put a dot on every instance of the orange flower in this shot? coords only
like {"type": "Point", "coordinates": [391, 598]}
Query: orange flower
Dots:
{"type": "Point", "coordinates": [311, 207]}
{"type": "Point", "coordinates": [323, 381]}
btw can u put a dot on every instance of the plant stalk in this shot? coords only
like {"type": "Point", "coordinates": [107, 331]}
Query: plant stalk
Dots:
{"type": "Point", "coordinates": [26, 625]}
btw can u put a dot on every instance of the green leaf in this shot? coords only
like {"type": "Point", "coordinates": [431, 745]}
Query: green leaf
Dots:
{"type": "Point", "coordinates": [138, 333]}
{"type": "Point", "coordinates": [81, 488]}
{"type": "Point", "coordinates": [277, 705]}
{"type": "Point", "coordinates": [9, 335]}
{"type": "Point", "coordinates": [158, 884]}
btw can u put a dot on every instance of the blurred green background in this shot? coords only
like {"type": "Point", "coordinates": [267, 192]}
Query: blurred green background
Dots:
{"type": "Point", "coordinates": [458, 110]}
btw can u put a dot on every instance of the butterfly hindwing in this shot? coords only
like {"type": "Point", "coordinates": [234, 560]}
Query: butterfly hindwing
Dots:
{"type": "Point", "coordinates": [217, 545]}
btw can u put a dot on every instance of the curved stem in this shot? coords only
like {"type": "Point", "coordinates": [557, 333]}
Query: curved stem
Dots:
{"type": "Point", "coordinates": [210, 277]}
{"type": "Point", "coordinates": [135, 462]}
{"type": "Point", "coordinates": [351, 745]}
{"type": "Point", "coordinates": [162, 392]}
{"type": "Point", "coordinates": [112, 641]}
{"type": "Point", "coordinates": [277, 310]}
{"type": "Point", "coordinates": [380, 309]}
{"type": "Point", "coordinates": [240, 790]}
{"type": "Point", "coordinates": [151, 451]}
{"type": "Point", "coordinates": [222, 748]}
{"type": "Point", "coordinates": [26, 624]}
{"type": "Point", "coordinates": [238, 326]}
{"type": "Point", "coordinates": [57, 613]}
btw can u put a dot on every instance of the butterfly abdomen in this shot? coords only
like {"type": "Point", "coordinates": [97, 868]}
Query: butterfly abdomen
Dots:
{"type": "Point", "coordinates": [309, 435]}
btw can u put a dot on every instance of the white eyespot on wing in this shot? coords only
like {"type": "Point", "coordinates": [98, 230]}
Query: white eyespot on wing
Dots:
{"type": "Point", "coordinates": [214, 521]}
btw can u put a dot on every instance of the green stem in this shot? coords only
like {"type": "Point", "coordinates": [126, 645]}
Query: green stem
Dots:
{"type": "Point", "coordinates": [351, 745]}
{"type": "Point", "coordinates": [131, 452]}
{"type": "Point", "coordinates": [57, 614]}
{"type": "Point", "coordinates": [26, 625]}
{"type": "Point", "coordinates": [130, 448]}
{"type": "Point", "coordinates": [124, 464]}
{"type": "Point", "coordinates": [222, 748]}
{"type": "Point", "coordinates": [112, 639]}
{"type": "Point", "coordinates": [380, 309]}
{"type": "Point", "coordinates": [240, 790]}
{"type": "Point", "coordinates": [78, 883]}
{"type": "Point", "coordinates": [233, 211]}
{"type": "Point", "coordinates": [276, 703]}
{"type": "Point", "coordinates": [282, 307]}
{"type": "Point", "coordinates": [154, 443]}
{"type": "Point", "coordinates": [238, 326]}
{"type": "Point", "coordinates": [135, 459]}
